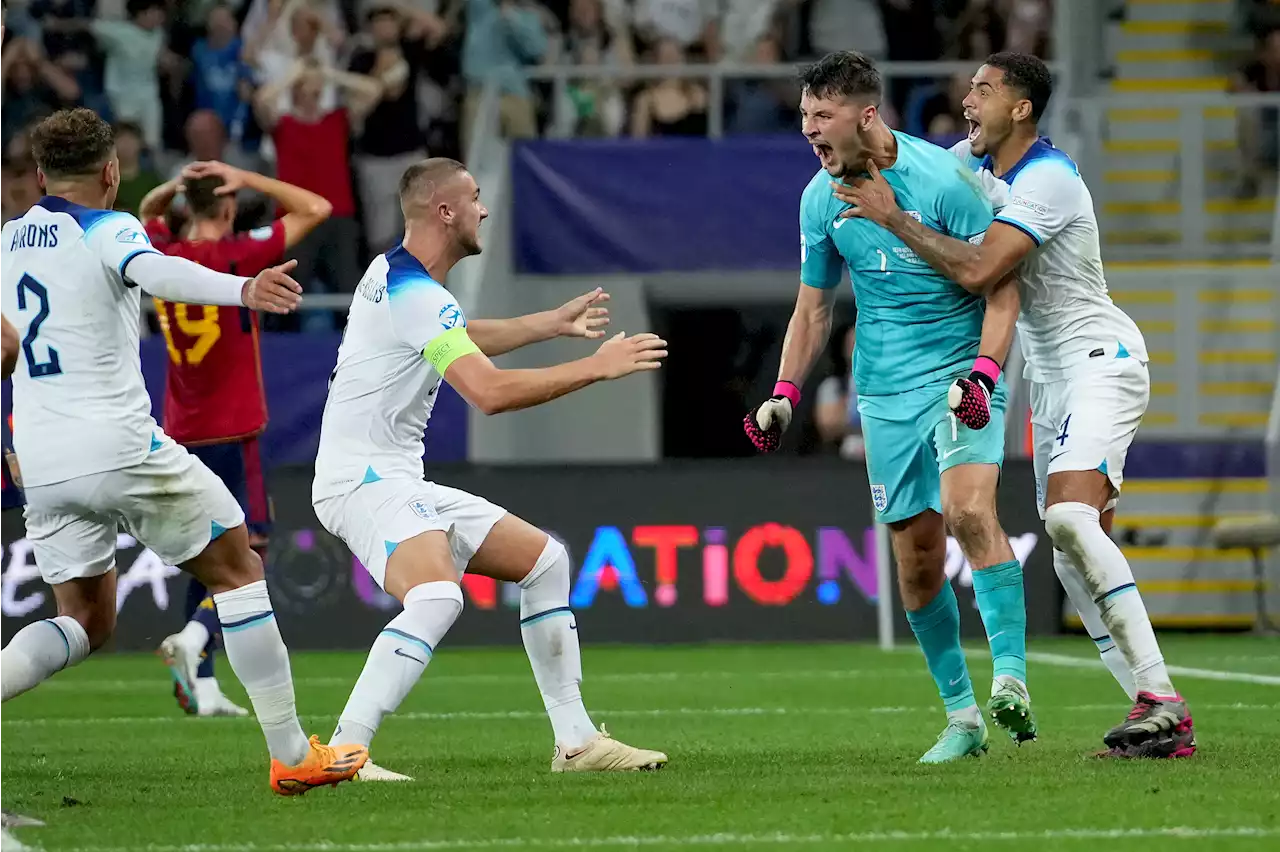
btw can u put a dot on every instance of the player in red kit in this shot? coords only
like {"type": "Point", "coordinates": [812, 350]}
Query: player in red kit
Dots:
{"type": "Point", "coordinates": [214, 402]}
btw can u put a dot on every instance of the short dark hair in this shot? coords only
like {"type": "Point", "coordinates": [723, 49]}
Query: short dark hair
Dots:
{"type": "Point", "coordinates": [427, 175]}
{"type": "Point", "coordinates": [203, 199]}
{"type": "Point", "coordinates": [1029, 75]}
{"type": "Point", "coordinates": [134, 8]}
{"type": "Point", "coordinates": [72, 143]}
{"type": "Point", "coordinates": [844, 73]}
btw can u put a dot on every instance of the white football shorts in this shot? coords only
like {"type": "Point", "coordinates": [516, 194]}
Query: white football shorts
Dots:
{"type": "Point", "coordinates": [375, 517]}
{"type": "Point", "coordinates": [1087, 421]}
{"type": "Point", "coordinates": [169, 501]}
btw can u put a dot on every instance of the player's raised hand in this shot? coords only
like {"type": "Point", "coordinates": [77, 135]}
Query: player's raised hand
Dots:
{"type": "Point", "coordinates": [272, 290]}
{"type": "Point", "coordinates": [872, 197]}
{"type": "Point", "coordinates": [621, 355]}
{"type": "Point", "coordinates": [233, 179]}
{"type": "Point", "coordinates": [583, 316]}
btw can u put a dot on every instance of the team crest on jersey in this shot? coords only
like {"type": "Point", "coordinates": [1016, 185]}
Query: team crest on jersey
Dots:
{"type": "Point", "coordinates": [131, 236]}
{"type": "Point", "coordinates": [423, 510]}
{"type": "Point", "coordinates": [879, 498]}
{"type": "Point", "coordinates": [451, 317]}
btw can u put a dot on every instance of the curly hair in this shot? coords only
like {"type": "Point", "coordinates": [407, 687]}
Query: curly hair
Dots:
{"type": "Point", "coordinates": [72, 143]}
{"type": "Point", "coordinates": [1029, 75]}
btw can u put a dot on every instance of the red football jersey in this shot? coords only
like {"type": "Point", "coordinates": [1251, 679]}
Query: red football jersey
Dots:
{"type": "Point", "coordinates": [213, 390]}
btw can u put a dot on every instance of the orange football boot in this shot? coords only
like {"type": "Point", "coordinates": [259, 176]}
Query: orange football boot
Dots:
{"type": "Point", "coordinates": [323, 766]}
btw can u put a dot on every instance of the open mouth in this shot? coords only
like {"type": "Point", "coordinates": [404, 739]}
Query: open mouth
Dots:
{"type": "Point", "coordinates": [975, 128]}
{"type": "Point", "coordinates": [823, 152]}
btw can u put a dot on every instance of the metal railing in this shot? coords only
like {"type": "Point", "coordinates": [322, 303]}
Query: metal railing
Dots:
{"type": "Point", "coordinates": [1094, 123]}
{"type": "Point", "coordinates": [715, 75]}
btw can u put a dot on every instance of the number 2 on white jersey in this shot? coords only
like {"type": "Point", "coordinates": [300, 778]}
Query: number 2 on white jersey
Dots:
{"type": "Point", "coordinates": [36, 368]}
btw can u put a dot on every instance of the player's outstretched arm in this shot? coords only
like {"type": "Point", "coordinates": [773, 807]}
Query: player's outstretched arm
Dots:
{"type": "Point", "coordinates": [177, 279]}
{"type": "Point", "coordinates": [580, 317]}
{"type": "Point", "coordinates": [976, 268]}
{"type": "Point", "coordinates": [806, 339]}
{"type": "Point", "coordinates": [492, 390]}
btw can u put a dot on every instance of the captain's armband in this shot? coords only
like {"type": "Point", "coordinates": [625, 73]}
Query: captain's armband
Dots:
{"type": "Point", "coordinates": [448, 347]}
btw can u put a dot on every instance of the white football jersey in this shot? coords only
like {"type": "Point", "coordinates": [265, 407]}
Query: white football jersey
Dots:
{"type": "Point", "coordinates": [382, 391]}
{"type": "Point", "coordinates": [80, 406]}
{"type": "Point", "coordinates": [1067, 316]}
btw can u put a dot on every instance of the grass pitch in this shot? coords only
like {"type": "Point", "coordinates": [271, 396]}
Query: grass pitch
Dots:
{"type": "Point", "coordinates": [807, 747]}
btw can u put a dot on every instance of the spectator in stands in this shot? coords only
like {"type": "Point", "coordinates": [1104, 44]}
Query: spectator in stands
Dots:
{"type": "Point", "coordinates": [847, 25]}
{"type": "Point", "coordinates": [392, 137]}
{"type": "Point", "coordinates": [21, 187]}
{"type": "Point", "coordinates": [294, 31]}
{"type": "Point", "coordinates": [133, 49]}
{"type": "Point", "coordinates": [312, 151]}
{"type": "Point", "coordinates": [1027, 26]}
{"type": "Point", "coordinates": [502, 38]}
{"type": "Point", "coordinates": [33, 86]}
{"type": "Point", "coordinates": [220, 78]}
{"type": "Point", "coordinates": [65, 26]}
{"type": "Point", "coordinates": [745, 22]}
{"type": "Point", "coordinates": [590, 107]}
{"type": "Point", "coordinates": [763, 106]}
{"type": "Point", "coordinates": [694, 25]}
{"type": "Point", "coordinates": [979, 31]}
{"type": "Point", "coordinates": [136, 177]}
{"type": "Point", "coordinates": [671, 107]}
{"type": "Point", "coordinates": [835, 408]}
{"type": "Point", "coordinates": [1259, 129]}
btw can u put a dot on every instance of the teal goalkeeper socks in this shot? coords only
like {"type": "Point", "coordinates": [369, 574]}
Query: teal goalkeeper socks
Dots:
{"type": "Point", "coordinates": [1004, 614]}
{"type": "Point", "coordinates": [937, 629]}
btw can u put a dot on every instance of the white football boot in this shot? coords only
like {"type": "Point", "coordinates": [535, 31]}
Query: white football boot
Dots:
{"type": "Point", "coordinates": [603, 753]}
{"type": "Point", "coordinates": [372, 772]}
{"type": "Point", "coordinates": [211, 702]}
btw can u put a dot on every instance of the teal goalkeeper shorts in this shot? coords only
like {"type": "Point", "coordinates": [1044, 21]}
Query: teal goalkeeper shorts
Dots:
{"type": "Point", "coordinates": [912, 437]}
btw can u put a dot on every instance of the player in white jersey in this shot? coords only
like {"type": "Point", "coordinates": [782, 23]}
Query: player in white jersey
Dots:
{"type": "Point", "coordinates": [1087, 364]}
{"type": "Point", "coordinates": [92, 457]}
{"type": "Point", "coordinates": [405, 334]}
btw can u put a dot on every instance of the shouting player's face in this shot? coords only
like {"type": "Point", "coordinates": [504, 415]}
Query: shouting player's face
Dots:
{"type": "Point", "coordinates": [991, 108]}
{"type": "Point", "coordinates": [467, 213]}
{"type": "Point", "coordinates": [833, 126]}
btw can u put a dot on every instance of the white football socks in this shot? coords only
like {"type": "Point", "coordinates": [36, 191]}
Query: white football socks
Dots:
{"type": "Point", "coordinates": [39, 651]}
{"type": "Point", "coordinates": [550, 633]}
{"type": "Point", "coordinates": [1092, 618]}
{"type": "Point", "coordinates": [398, 658]}
{"type": "Point", "coordinates": [1076, 529]}
{"type": "Point", "coordinates": [251, 640]}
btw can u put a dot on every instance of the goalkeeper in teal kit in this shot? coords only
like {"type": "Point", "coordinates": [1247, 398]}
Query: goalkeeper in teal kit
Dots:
{"type": "Point", "coordinates": [927, 368]}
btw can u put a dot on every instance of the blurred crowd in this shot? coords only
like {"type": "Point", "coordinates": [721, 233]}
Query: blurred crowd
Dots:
{"type": "Point", "coordinates": [339, 96]}
{"type": "Point", "coordinates": [1259, 130]}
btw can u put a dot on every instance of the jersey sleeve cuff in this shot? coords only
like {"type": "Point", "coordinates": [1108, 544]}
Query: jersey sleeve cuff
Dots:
{"type": "Point", "coordinates": [1035, 238]}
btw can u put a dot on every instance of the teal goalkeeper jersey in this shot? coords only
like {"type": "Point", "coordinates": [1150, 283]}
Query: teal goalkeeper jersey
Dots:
{"type": "Point", "coordinates": [915, 327]}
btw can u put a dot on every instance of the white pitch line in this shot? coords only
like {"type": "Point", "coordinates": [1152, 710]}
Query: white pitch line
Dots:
{"type": "Point", "coordinates": [1068, 661]}
{"type": "Point", "coordinates": [165, 684]}
{"type": "Point", "coordinates": [665, 712]}
{"type": "Point", "coordinates": [868, 838]}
